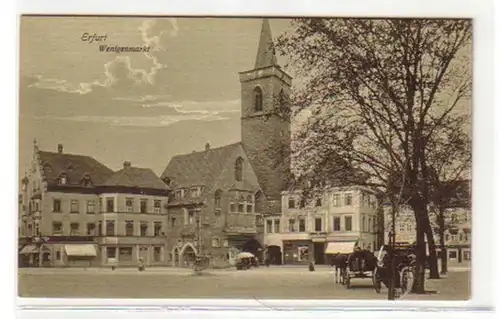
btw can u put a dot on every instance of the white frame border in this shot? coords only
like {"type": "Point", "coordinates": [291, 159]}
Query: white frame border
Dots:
{"type": "Point", "coordinates": [483, 132]}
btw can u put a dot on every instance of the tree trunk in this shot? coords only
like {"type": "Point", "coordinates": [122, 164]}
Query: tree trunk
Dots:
{"type": "Point", "coordinates": [433, 264]}
{"type": "Point", "coordinates": [442, 243]}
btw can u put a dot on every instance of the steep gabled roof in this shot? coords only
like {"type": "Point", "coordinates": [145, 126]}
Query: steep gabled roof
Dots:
{"type": "Point", "coordinates": [198, 168]}
{"type": "Point", "coordinates": [74, 167]}
{"type": "Point", "coordinates": [136, 177]}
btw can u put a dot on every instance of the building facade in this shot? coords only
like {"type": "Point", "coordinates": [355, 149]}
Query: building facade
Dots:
{"type": "Point", "coordinates": [77, 212]}
{"type": "Point", "coordinates": [457, 234]}
{"type": "Point", "coordinates": [313, 231]}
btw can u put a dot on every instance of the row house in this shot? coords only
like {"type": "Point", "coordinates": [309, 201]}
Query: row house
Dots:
{"type": "Point", "coordinates": [311, 230]}
{"type": "Point", "coordinates": [77, 212]}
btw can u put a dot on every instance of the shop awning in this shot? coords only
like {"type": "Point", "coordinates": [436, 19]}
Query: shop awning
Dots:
{"type": "Point", "coordinates": [29, 249]}
{"type": "Point", "coordinates": [342, 247]}
{"type": "Point", "coordinates": [82, 250]}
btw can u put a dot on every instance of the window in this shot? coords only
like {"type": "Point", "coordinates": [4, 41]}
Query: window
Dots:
{"type": "Point", "coordinates": [56, 227]}
{"type": "Point", "coordinates": [73, 206]}
{"type": "Point", "coordinates": [74, 229]}
{"type": "Point", "coordinates": [238, 169]}
{"type": "Point", "coordinates": [129, 228]}
{"type": "Point", "coordinates": [363, 223]}
{"type": "Point", "coordinates": [157, 229]}
{"type": "Point", "coordinates": [56, 206]}
{"type": "Point", "coordinates": [348, 199]}
{"type": "Point", "coordinates": [257, 93]}
{"type": "Point", "coordinates": [195, 191]}
{"type": "Point", "coordinates": [318, 224]}
{"type": "Point", "coordinates": [58, 255]}
{"type": "Point", "coordinates": [157, 253]}
{"type": "Point", "coordinates": [110, 205]}
{"type": "Point", "coordinates": [99, 229]}
{"type": "Point", "coordinates": [179, 193]}
{"type": "Point", "coordinates": [269, 226]}
{"type": "Point", "coordinates": [369, 226]}
{"type": "Point", "coordinates": [291, 203]}
{"type": "Point", "coordinates": [190, 217]}
{"type": "Point", "coordinates": [447, 237]}
{"type": "Point", "coordinates": [100, 205]}
{"type": "Point", "coordinates": [461, 237]}
{"type": "Point", "coordinates": [241, 208]}
{"type": "Point", "coordinates": [466, 255]}
{"type": "Point", "coordinates": [37, 229]}
{"type": "Point", "coordinates": [36, 207]}
{"type": "Point", "coordinates": [336, 200]}
{"type": "Point", "coordinates": [172, 222]}
{"type": "Point", "coordinates": [302, 225]}
{"type": "Point", "coordinates": [402, 228]}
{"type": "Point", "coordinates": [291, 225]}
{"type": "Point", "coordinates": [125, 253]}
{"type": "Point", "coordinates": [466, 237]}
{"type": "Point", "coordinates": [276, 225]}
{"type": "Point", "coordinates": [110, 228]}
{"type": "Point", "coordinates": [454, 218]}
{"type": "Point", "coordinates": [318, 202]}
{"type": "Point", "coordinates": [336, 223]}
{"type": "Point", "coordinates": [302, 203]}
{"type": "Point", "coordinates": [217, 217]}
{"type": "Point", "coordinates": [144, 206]}
{"type": "Point", "coordinates": [215, 242]}
{"type": "Point", "coordinates": [232, 207]}
{"type": "Point", "coordinates": [157, 206]}
{"type": "Point", "coordinates": [63, 180]}
{"type": "Point", "coordinates": [111, 252]}
{"type": "Point", "coordinates": [249, 208]}
{"type": "Point", "coordinates": [90, 207]}
{"type": "Point", "coordinates": [144, 229]}
{"type": "Point", "coordinates": [129, 205]}
{"type": "Point", "coordinates": [91, 229]}
{"type": "Point", "coordinates": [225, 243]}
{"type": "Point", "coordinates": [348, 223]}
{"type": "Point", "coordinates": [217, 199]}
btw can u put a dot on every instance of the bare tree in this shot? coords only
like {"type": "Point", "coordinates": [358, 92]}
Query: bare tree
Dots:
{"type": "Point", "coordinates": [449, 181]}
{"type": "Point", "coordinates": [376, 93]}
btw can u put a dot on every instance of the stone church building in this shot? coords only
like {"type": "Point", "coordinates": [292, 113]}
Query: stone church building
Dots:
{"type": "Point", "coordinates": [221, 195]}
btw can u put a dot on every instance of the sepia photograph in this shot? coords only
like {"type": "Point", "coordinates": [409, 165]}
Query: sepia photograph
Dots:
{"type": "Point", "coordinates": [245, 157]}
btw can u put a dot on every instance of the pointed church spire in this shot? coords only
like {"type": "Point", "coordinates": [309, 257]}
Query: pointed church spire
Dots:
{"type": "Point", "coordinates": [266, 54]}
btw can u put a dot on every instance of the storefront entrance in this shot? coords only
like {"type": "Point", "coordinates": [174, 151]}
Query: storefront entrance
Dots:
{"type": "Point", "coordinates": [319, 253]}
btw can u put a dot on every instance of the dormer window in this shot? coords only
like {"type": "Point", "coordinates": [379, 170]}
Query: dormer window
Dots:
{"type": "Point", "coordinates": [179, 193]}
{"type": "Point", "coordinates": [63, 179]}
{"type": "Point", "coordinates": [86, 181]}
{"type": "Point", "coordinates": [238, 169]}
{"type": "Point", "coordinates": [257, 92]}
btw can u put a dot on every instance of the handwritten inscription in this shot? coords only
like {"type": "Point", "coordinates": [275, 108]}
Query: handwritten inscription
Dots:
{"type": "Point", "coordinates": [93, 37]}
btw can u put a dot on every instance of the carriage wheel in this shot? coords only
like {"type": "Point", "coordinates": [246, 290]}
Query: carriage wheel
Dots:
{"type": "Point", "coordinates": [407, 280]}
{"type": "Point", "coordinates": [377, 284]}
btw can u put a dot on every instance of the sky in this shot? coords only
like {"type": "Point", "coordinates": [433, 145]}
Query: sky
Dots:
{"type": "Point", "coordinates": [143, 107]}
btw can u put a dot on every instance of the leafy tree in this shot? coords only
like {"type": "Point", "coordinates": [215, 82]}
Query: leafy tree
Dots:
{"type": "Point", "coordinates": [376, 95]}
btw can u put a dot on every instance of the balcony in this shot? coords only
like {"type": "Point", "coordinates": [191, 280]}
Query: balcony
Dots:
{"type": "Point", "coordinates": [241, 223]}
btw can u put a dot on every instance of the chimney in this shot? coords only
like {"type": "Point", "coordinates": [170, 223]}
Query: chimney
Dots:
{"type": "Point", "coordinates": [59, 148]}
{"type": "Point", "coordinates": [207, 146]}
{"type": "Point", "coordinates": [126, 164]}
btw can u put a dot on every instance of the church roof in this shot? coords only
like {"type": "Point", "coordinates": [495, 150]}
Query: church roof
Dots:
{"type": "Point", "coordinates": [266, 55]}
{"type": "Point", "coordinates": [74, 167]}
{"type": "Point", "coordinates": [198, 168]}
{"type": "Point", "coordinates": [136, 177]}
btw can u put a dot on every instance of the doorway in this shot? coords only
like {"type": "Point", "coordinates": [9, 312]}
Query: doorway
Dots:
{"type": "Point", "coordinates": [319, 253]}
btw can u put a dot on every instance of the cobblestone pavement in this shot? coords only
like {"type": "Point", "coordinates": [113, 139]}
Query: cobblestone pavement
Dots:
{"type": "Point", "coordinates": [260, 283]}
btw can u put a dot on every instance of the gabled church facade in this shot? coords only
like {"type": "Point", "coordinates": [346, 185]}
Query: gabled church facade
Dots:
{"type": "Point", "coordinates": [221, 195]}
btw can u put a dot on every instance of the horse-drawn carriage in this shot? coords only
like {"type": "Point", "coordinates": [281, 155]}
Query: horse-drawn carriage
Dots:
{"type": "Point", "coordinates": [404, 266]}
{"type": "Point", "coordinates": [359, 264]}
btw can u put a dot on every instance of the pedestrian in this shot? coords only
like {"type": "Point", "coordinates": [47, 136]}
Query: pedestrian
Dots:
{"type": "Point", "coordinates": [266, 261]}
{"type": "Point", "coordinates": [141, 264]}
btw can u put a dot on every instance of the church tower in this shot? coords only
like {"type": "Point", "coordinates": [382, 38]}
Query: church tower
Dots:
{"type": "Point", "coordinates": [265, 131]}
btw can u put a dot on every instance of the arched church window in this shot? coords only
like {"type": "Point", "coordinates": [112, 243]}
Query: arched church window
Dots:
{"type": "Point", "coordinates": [217, 198]}
{"type": "Point", "coordinates": [258, 99]}
{"type": "Point", "coordinates": [238, 169]}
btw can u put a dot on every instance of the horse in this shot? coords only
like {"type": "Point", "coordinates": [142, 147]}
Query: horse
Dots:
{"type": "Point", "coordinates": [339, 262]}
